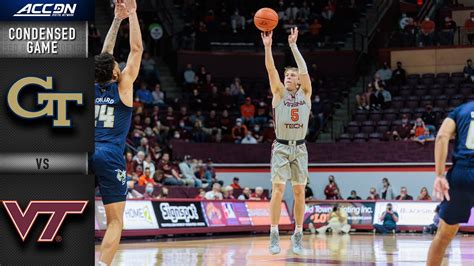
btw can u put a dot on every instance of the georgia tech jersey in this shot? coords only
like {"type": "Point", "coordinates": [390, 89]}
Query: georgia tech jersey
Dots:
{"type": "Point", "coordinates": [291, 116]}
{"type": "Point", "coordinates": [112, 117]}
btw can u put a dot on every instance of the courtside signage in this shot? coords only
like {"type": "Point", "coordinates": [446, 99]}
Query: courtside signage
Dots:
{"type": "Point", "coordinates": [62, 10]}
{"type": "Point", "coordinates": [138, 215]}
{"type": "Point", "coordinates": [179, 214]}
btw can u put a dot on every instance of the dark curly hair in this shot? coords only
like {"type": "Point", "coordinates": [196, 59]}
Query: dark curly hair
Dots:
{"type": "Point", "coordinates": [104, 66]}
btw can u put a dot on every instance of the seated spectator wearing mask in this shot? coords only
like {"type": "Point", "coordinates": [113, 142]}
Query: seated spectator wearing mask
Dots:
{"type": "Point", "coordinates": [429, 117]}
{"type": "Point", "coordinates": [245, 194]}
{"type": "Point", "coordinates": [228, 193]}
{"type": "Point", "coordinates": [215, 193]}
{"type": "Point", "coordinates": [331, 188]}
{"type": "Point", "coordinates": [149, 191]}
{"type": "Point", "coordinates": [353, 196]}
{"type": "Point", "coordinates": [402, 132]}
{"type": "Point", "coordinates": [373, 194]}
{"type": "Point", "coordinates": [258, 195]}
{"type": "Point", "coordinates": [386, 190]}
{"type": "Point", "coordinates": [419, 128]}
{"type": "Point", "coordinates": [337, 222]}
{"type": "Point", "coordinates": [404, 194]}
{"type": "Point", "coordinates": [426, 137]}
{"type": "Point", "coordinates": [389, 219]}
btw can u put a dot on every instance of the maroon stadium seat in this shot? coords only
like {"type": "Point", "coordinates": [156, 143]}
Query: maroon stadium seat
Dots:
{"type": "Point", "coordinates": [456, 100]}
{"type": "Point", "coordinates": [441, 101]}
{"type": "Point", "coordinates": [465, 90]}
{"type": "Point", "coordinates": [345, 138]}
{"type": "Point", "coordinates": [360, 115]}
{"type": "Point", "coordinates": [376, 115]}
{"type": "Point", "coordinates": [375, 136]}
{"type": "Point", "coordinates": [435, 91]}
{"type": "Point", "coordinates": [360, 137]}
{"type": "Point", "coordinates": [448, 91]}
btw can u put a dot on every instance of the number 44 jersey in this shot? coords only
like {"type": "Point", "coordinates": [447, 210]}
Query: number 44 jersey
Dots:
{"type": "Point", "coordinates": [112, 117]}
{"type": "Point", "coordinates": [291, 116]}
{"type": "Point", "coordinates": [463, 116]}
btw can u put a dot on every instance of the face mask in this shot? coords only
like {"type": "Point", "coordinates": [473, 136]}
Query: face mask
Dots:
{"type": "Point", "coordinates": [176, 136]}
{"type": "Point", "coordinates": [317, 100]}
{"type": "Point", "coordinates": [257, 129]}
{"type": "Point", "coordinates": [238, 124]}
{"type": "Point", "coordinates": [181, 124]}
{"type": "Point", "coordinates": [271, 125]}
{"type": "Point", "coordinates": [149, 190]}
{"type": "Point", "coordinates": [405, 121]}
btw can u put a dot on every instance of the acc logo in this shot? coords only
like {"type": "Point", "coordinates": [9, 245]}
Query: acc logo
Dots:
{"type": "Point", "coordinates": [47, 10]}
{"type": "Point", "coordinates": [24, 220]}
{"type": "Point", "coordinates": [47, 99]}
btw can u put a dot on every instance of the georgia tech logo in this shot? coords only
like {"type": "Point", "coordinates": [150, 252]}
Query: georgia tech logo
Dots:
{"type": "Point", "coordinates": [47, 99]}
{"type": "Point", "coordinates": [24, 220]}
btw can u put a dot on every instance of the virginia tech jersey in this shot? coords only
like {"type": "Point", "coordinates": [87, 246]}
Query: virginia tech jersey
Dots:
{"type": "Point", "coordinates": [291, 116]}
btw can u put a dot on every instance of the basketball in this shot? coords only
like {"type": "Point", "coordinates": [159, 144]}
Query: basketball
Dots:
{"type": "Point", "coordinates": [266, 19]}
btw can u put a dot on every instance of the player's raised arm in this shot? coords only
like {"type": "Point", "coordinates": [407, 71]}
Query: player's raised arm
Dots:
{"type": "Point", "coordinates": [446, 131]}
{"type": "Point", "coordinates": [275, 83]}
{"type": "Point", "coordinates": [302, 69]}
{"type": "Point", "coordinates": [130, 72]}
{"type": "Point", "coordinates": [120, 14]}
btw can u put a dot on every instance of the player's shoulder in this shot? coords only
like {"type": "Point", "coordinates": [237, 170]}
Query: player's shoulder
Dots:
{"type": "Point", "coordinates": [462, 110]}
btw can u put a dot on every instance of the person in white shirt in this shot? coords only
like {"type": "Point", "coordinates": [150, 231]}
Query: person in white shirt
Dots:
{"type": "Point", "coordinates": [158, 95]}
{"type": "Point", "coordinates": [215, 193]}
{"type": "Point", "coordinates": [187, 170]}
{"type": "Point", "coordinates": [385, 73]}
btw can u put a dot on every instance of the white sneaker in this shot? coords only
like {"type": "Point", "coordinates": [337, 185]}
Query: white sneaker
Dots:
{"type": "Point", "coordinates": [297, 243]}
{"type": "Point", "coordinates": [274, 247]}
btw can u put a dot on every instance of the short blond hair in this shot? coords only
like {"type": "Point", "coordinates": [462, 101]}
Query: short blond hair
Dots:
{"type": "Point", "coordinates": [290, 68]}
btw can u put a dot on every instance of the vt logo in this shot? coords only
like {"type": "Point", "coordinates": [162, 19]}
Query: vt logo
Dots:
{"type": "Point", "coordinates": [24, 220]}
{"type": "Point", "coordinates": [57, 111]}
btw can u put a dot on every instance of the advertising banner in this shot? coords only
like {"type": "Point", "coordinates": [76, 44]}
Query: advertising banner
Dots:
{"type": "Point", "coordinates": [138, 215]}
{"type": "Point", "coordinates": [259, 213]}
{"type": "Point", "coordinates": [179, 214]}
{"type": "Point", "coordinates": [409, 213]}
{"type": "Point", "coordinates": [220, 213]}
{"type": "Point", "coordinates": [471, 219]}
{"type": "Point", "coordinates": [357, 212]}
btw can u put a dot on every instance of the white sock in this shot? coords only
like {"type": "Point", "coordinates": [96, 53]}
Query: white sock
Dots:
{"type": "Point", "coordinates": [274, 228]}
{"type": "Point", "coordinates": [298, 229]}
{"type": "Point", "coordinates": [101, 263]}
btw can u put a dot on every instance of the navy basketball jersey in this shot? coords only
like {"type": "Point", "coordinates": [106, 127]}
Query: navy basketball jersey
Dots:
{"type": "Point", "coordinates": [112, 117]}
{"type": "Point", "coordinates": [464, 143]}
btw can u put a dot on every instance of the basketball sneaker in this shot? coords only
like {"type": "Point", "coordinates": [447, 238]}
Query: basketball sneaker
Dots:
{"type": "Point", "coordinates": [297, 243]}
{"type": "Point", "coordinates": [274, 243]}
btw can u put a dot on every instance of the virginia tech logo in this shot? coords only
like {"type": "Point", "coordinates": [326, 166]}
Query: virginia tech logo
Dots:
{"type": "Point", "coordinates": [57, 111]}
{"type": "Point", "coordinates": [24, 220]}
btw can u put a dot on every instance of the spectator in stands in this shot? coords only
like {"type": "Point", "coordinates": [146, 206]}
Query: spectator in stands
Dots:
{"type": "Point", "coordinates": [426, 36]}
{"type": "Point", "coordinates": [146, 178]}
{"type": "Point", "coordinates": [158, 96]}
{"type": "Point", "coordinates": [163, 193]}
{"type": "Point", "coordinates": [386, 190]}
{"type": "Point", "coordinates": [198, 133]}
{"type": "Point", "coordinates": [419, 128]}
{"type": "Point", "coordinates": [426, 137]}
{"type": "Point", "coordinates": [399, 75]}
{"type": "Point", "coordinates": [245, 194]}
{"type": "Point", "coordinates": [308, 192]}
{"type": "Point", "coordinates": [331, 189]}
{"type": "Point", "coordinates": [150, 188]}
{"type": "Point", "coordinates": [144, 95]}
{"type": "Point", "coordinates": [131, 192]}
{"type": "Point", "coordinates": [189, 75]}
{"type": "Point", "coordinates": [258, 194]}
{"type": "Point", "coordinates": [404, 194]}
{"type": "Point", "coordinates": [215, 193]}
{"type": "Point", "coordinates": [432, 228]}
{"type": "Point", "coordinates": [448, 30]}
{"type": "Point", "coordinates": [337, 195]}
{"type": "Point", "coordinates": [337, 222]}
{"type": "Point", "coordinates": [237, 90]}
{"type": "Point", "coordinates": [129, 163]}
{"type": "Point", "coordinates": [315, 33]}
{"type": "Point", "coordinates": [469, 70]}
{"type": "Point", "coordinates": [385, 73]}
{"type": "Point", "coordinates": [235, 183]}
{"type": "Point", "coordinates": [373, 194]}
{"type": "Point", "coordinates": [383, 98]}
{"type": "Point", "coordinates": [249, 139]}
{"type": "Point", "coordinates": [353, 196]}
{"type": "Point", "coordinates": [149, 67]}
{"type": "Point", "coordinates": [247, 112]}
{"type": "Point", "coordinates": [429, 117]}
{"type": "Point", "coordinates": [469, 28]}
{"type": "Point", "coordinates": [211, 172]}
{"type": "Point", "coordinates": [148, 163]}
{"type": "Point", "coordinates": [329, 10]}
{"type": "Point", "coordinates": [201, 195]}
{"type": "Point", "coordinates": [261, 117]}
{"type": "Point", "coordinates": [363, 99]}
{"type": "Point", "coordinates": [228, 193]}
{"type": "Point", "coordinates": [239, 131]}
{"type": "Point", "coordinates": [188, 172]}
{"type": "Point", "coordinates": [170, 176]}
{"type": "Point", "coordinates": [402, 131]}
{"type": "Point", "coordinates": [389, 219]}
{"type": "Point", "coordinates": [424, 194]}
{"type": "Point", "coordinates": [237, 21]}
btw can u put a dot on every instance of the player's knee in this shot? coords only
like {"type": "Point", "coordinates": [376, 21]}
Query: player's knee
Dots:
{"type": "Point", "coordinates": [298, 192]}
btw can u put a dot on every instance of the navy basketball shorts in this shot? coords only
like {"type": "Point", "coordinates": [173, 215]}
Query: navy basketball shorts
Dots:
{"type": "Point", "coordinates": [461, 187]}
{"type": "Point", "coordinates": [108, 166]}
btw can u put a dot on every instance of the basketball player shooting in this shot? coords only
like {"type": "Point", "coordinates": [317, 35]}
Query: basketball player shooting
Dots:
{"type": "Point", "coordinates": [113, 114]}
{"type": "Point", "coordinates": [456, 188]}
{"type": "Point", "coordinates": [291, 109]}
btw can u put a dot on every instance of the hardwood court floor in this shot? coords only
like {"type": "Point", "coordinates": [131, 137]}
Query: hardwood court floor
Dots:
{"type": "Point", "coordinates": [319, 250]}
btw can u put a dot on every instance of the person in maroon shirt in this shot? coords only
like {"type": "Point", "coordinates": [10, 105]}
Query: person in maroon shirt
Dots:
{"type": "Point", "coordinates": [235, 184]}
{"type": "Point", "coordinates": [169, 119]}
{"type": "Point", "coordinates": [183, 115]}
{"type": "Point", "coordinates": [239, 131]}
{"type": "Point", "coordinates": [269, 132]}
{"type": "Point", "coordinates": [402, 132]}
{"type": "Point", "coordinates": [227, 100]}
{"type": "Point", "coordinates": [331, 190]}
{"type": "Point", "coordinates": [373, 194]}
{"type": "Point", "coordinates": [129, 163]}
{"type": "Point", "coordinates": [226, 122]}
{"type": "Point", "coordinates": [214, 99]}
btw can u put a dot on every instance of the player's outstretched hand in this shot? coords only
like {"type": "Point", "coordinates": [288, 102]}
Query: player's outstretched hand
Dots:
{"type": "Point", "coordinates": [293, 35]}
{"type": "Point", "coordinates": [131, 5]}
{"type": "Point", "coordinates": [267, 38]}
{"type": "Point", "coordinates": [120, 11]}
{"type": "Point", "coordinates": [441, 188]}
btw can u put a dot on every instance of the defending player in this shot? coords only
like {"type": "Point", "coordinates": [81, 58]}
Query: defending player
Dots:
{"type": "Point", "coordinates": [291, 109]}
{"type": "Point", "coordinates": [113, 113]}
{"type": "Point", "coordinates": [456, 189]}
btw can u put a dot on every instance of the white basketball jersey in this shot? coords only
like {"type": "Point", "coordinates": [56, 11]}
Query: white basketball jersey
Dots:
{"type": "Point", "coordinates": [291, 116]}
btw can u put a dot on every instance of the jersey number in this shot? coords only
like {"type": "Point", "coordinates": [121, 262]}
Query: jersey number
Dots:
{"type": "Point", "coordinates": [105, 114]}
{"type": "Point", "coordinates": [470, 137]}
{"type": "Point", "coordinates": [294, 115]}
